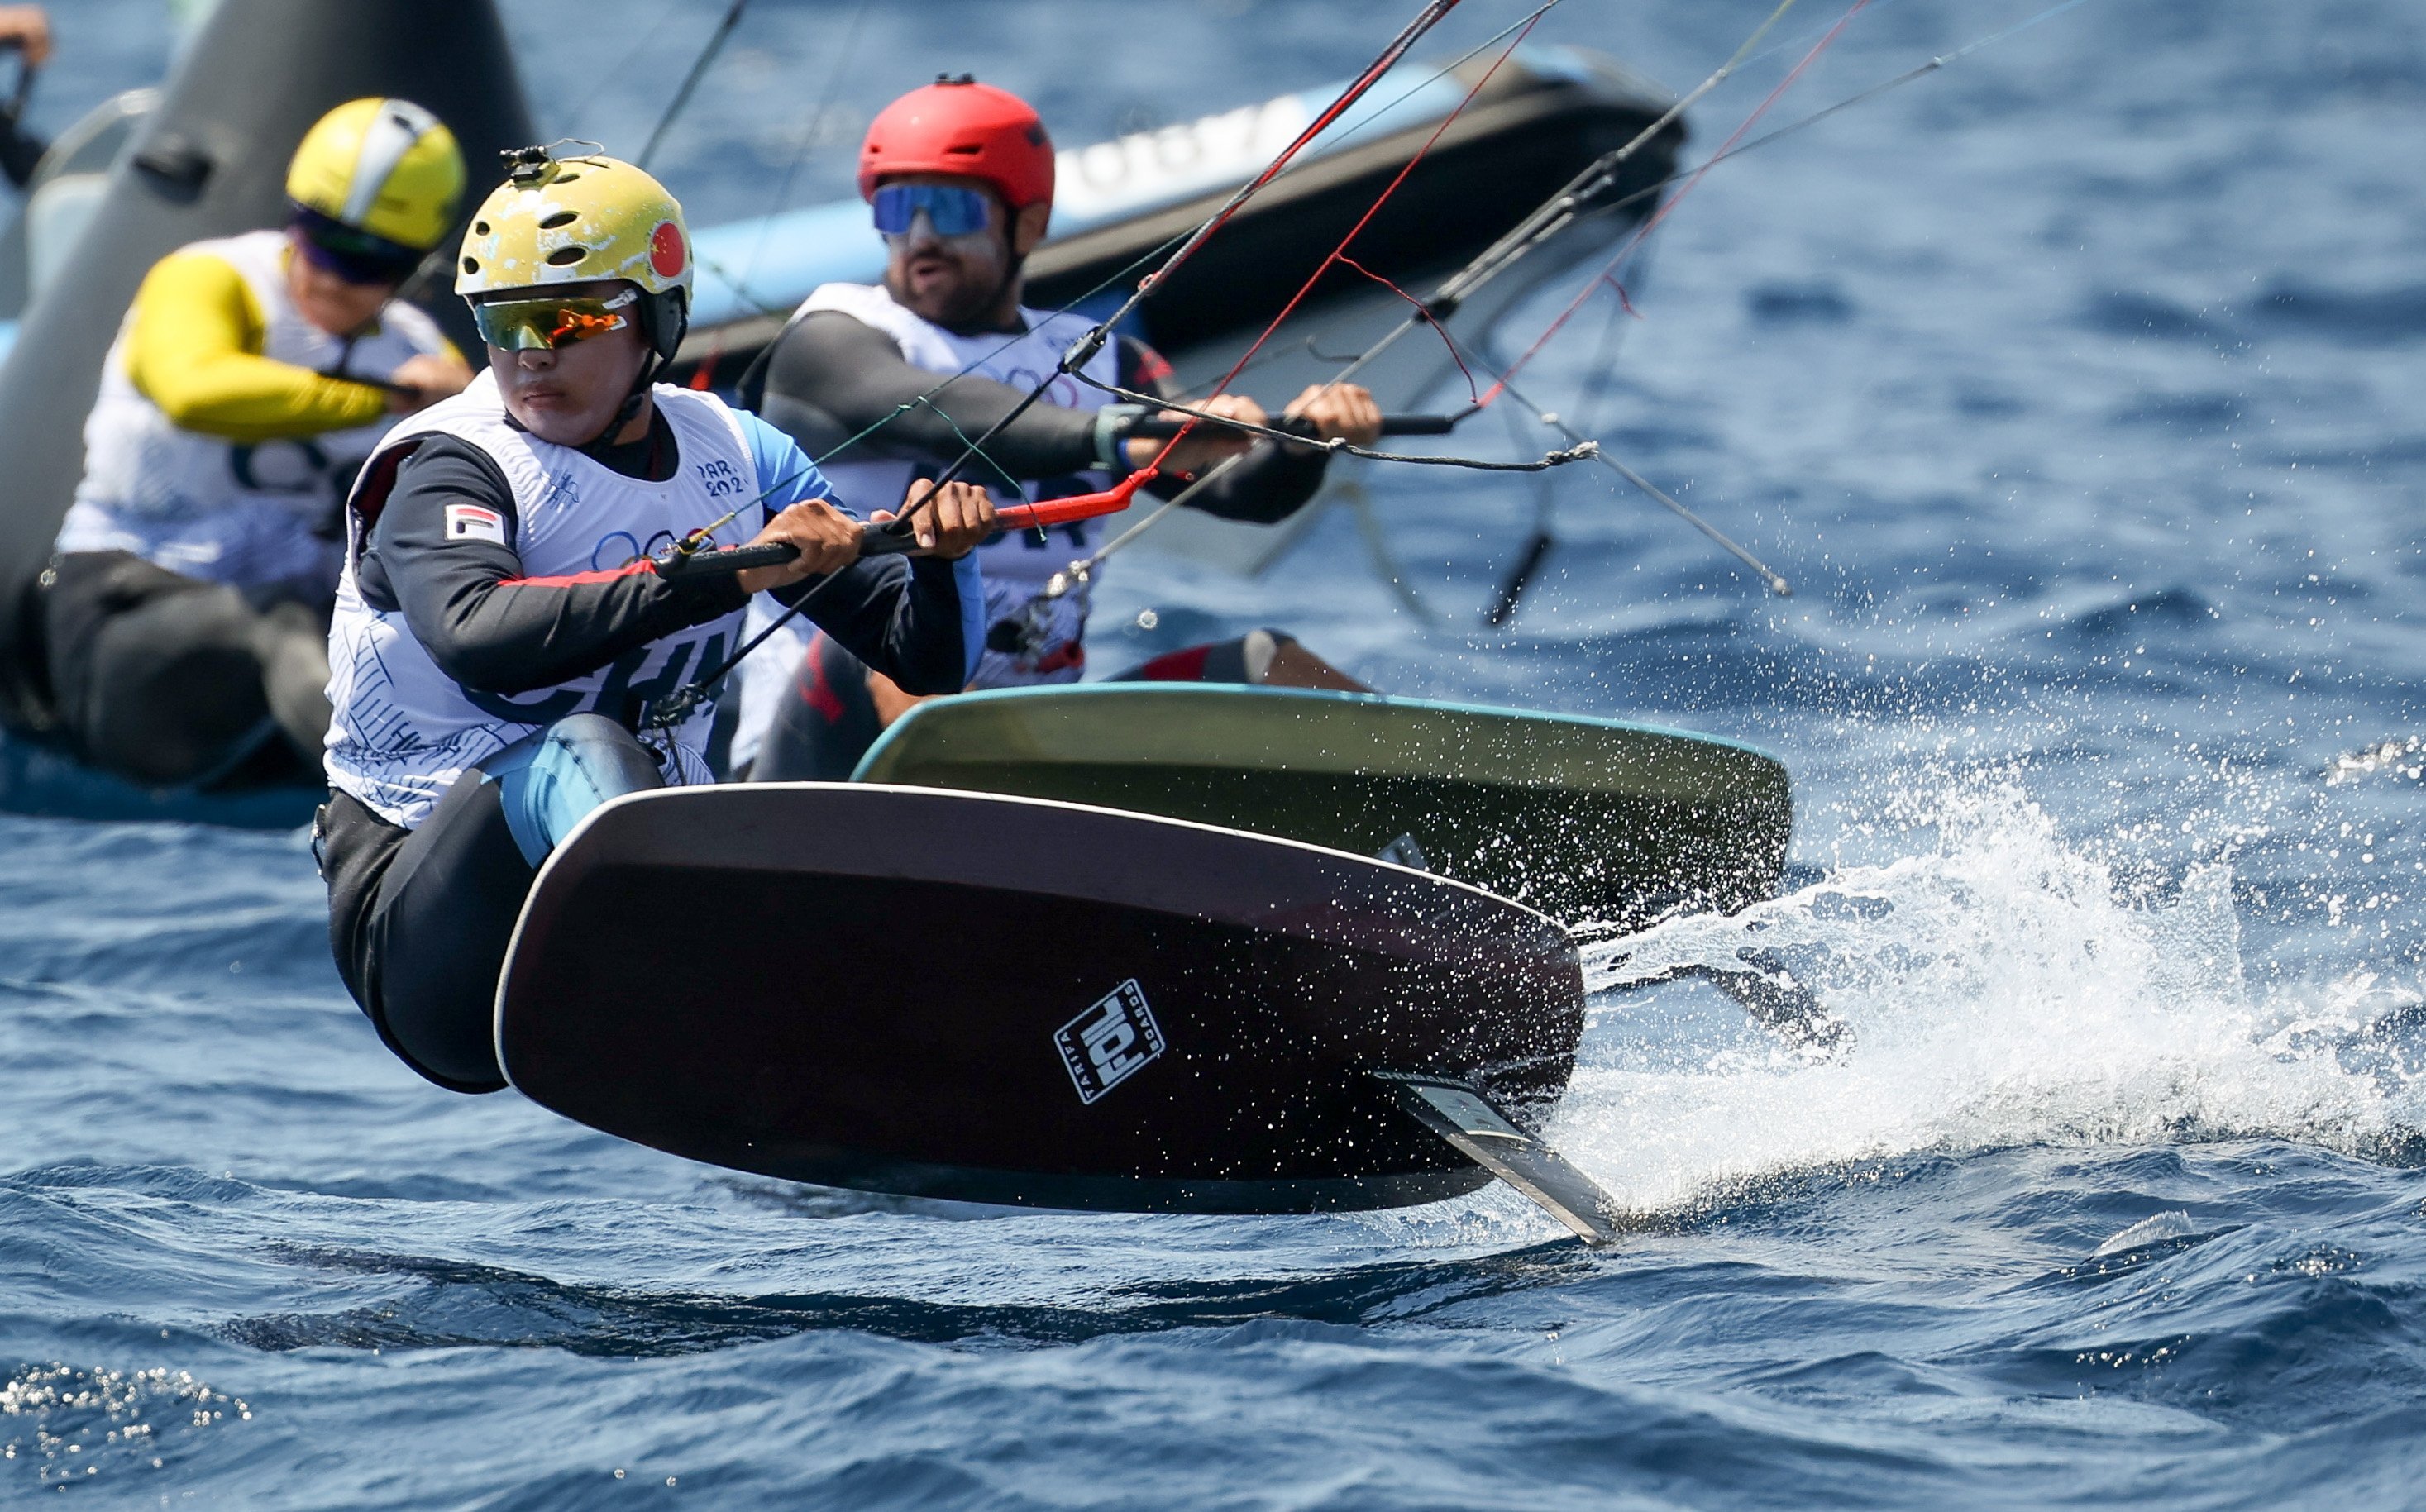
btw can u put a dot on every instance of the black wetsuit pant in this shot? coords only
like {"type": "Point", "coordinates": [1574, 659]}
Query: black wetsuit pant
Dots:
{"type": "Point", "coordinates": [420, 919]}
{"type": "Point", "coordinates": [170, 679]}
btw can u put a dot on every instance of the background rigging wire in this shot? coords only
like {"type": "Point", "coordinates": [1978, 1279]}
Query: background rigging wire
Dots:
{"type": "Point", "coordinates": [699, 67]}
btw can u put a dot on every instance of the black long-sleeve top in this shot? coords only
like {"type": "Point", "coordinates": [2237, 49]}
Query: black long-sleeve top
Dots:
{"type": "Point", "coordinates": [495, 630]}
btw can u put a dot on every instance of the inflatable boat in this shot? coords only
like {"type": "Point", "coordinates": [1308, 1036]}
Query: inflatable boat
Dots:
{"type": "Point", "coordinates": [146, 174]}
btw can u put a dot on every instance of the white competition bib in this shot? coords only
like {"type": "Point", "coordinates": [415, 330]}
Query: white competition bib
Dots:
{"type": "Point", "coordinates": [404, 731]}
{"type": "Point", "coordinates": [244, 513]}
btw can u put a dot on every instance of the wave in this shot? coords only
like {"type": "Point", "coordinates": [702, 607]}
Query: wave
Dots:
{"type": "Point", "coordinates": [2004, 987]}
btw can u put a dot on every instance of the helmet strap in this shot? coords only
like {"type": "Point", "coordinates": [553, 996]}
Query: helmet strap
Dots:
{"type": "Point", "coordinates": [630, 407]}
{"type": "Point", "coordinates": [658, 346]}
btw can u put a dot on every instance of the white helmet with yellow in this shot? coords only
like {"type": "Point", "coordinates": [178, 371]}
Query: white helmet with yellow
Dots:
{"type": "Point", "coordinates": [558, 221]}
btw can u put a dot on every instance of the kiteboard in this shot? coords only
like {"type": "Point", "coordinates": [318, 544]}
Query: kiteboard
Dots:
{"type": "Point", "coordinates": [1587, 820]}
{"type": "Point", "coordinates": [1012, 1000]}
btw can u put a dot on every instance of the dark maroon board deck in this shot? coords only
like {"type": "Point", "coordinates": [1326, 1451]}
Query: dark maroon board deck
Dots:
{"type": "Point", "coordinates": [1012, 1000]}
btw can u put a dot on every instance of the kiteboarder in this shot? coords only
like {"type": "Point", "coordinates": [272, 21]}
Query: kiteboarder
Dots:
{"type": "Point", "coordinates": [181, 625]}
{"type": "Point", "coordinates": [959, 178]}
{"type": "Point", "coordinates": [510, 614]}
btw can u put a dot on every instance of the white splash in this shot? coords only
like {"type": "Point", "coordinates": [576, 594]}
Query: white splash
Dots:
{"type": "Point", "coordinates": [2003, 990]}
{"type": "Point", "coordinates": [2405, 757]}
{"type": "Point", "coordinates": [2154, 1230]}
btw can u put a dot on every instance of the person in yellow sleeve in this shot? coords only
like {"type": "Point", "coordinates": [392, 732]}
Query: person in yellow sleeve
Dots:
{"type": "Point", "coordinates": [183, 621]}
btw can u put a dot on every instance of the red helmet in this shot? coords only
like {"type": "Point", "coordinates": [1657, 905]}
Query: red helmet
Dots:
{"type": "Point", "coordinates": [957, 125]}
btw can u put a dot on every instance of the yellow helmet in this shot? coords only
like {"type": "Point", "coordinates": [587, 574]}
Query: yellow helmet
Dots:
{"type": "Point", "coordinates": [386, 167]}
{"type": "Point", "coordinates": [572, 219]}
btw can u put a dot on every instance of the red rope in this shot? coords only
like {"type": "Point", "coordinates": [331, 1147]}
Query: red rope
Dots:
{"type": "Point", "coordinates": [1348, 98]}
{"type": "Point", "coordinates": [703, 377]}
{"type": "Point", "coordinates": [1471, 391]}
{"type": "Point", "coordinates": [1339, 253]}
{"type": "Point", "coordinates": [1671, 202]}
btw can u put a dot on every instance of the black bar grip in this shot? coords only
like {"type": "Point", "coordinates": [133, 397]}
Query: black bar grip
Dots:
{"type": "Point", "coordinates": [878, 539]}
{"type": "Point", "coordinates": [883, 540]}
{"type": "Point", "coordinates": [1164, 427]}
{"type": "Point", "coordinates": [725, 560]}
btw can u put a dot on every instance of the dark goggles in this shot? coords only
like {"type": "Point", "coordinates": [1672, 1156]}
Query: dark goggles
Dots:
{"type": "Point", "coordinates": [954, 212]}
{"type": "Point", "coordinates": [351, 253]}
{"type": "Point", "coordinates": [547, 324]}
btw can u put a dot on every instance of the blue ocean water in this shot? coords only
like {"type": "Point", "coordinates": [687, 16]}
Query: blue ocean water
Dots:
{"type": "Point", "coordinates": [2077, 389]}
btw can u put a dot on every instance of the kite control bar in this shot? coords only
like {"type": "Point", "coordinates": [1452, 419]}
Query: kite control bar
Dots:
{"type": "Point", "coordinates": [894, 538]}
{"type": "Point", "coordinates": [874, 541]}
{"type": "Point", "coordinates": [1160, 427]}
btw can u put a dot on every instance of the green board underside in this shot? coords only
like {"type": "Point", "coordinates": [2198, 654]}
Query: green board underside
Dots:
{"type": "Point", "coordinates": [1588, 820]}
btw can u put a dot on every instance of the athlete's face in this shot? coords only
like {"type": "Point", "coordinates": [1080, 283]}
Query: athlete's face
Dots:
{"type": "Point", "coordinates": [966, 280]}
{"type": "Point", "coordinates": [568, 393]}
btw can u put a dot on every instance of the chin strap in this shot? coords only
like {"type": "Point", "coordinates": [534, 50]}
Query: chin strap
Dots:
{"type": "Point", "coordinates": [659, 358]}
{"type": "Point", "coordinates": [642, 382]}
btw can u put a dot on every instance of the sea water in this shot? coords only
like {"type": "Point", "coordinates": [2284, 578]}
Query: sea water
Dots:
{"type": "Point", "coordinates": [2077, 390]}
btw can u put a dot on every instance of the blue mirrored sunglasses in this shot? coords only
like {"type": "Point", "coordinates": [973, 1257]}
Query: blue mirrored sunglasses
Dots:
{"type": "Point", "coordinates": [954, 212]}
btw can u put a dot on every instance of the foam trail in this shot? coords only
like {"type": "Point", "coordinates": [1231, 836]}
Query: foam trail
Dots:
{"type": "Point", "coordinates": [2003, 992]}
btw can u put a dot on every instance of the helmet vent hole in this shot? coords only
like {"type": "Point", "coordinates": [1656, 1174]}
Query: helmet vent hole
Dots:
{"type": "Point", "coordinates": [964, 149]}
{"type": "Point", "coordinates": [471, 265]}
{"type": "Point", "coordinates": [567, 256]}
{"type": "Point", "coordinates": [566, 178]}
{"type": "Point", "coordinates": [562, 218]}
{"type": "Point", "coordinates": [479, 227]}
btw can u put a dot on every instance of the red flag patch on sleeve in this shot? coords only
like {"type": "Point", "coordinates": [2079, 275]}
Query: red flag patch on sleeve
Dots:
{"type": "Point", "coordinates": [470, 522]}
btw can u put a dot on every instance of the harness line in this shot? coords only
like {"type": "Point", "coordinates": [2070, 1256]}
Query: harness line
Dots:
{"type": "Point", "coordinates": [1062, 583]}
{"type": "Point", "coordinates": [1582, 449]}
{"type": "Point", "coordinates": [975, 447]}
{"type": "Point", "coordinates": [1086, 347]}
{"type": "Point", "coordinates": [1324, 266]}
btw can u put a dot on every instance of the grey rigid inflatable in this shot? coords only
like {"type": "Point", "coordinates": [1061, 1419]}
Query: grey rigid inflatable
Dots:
{"type": "Point", "coordinates": [211, 161]}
